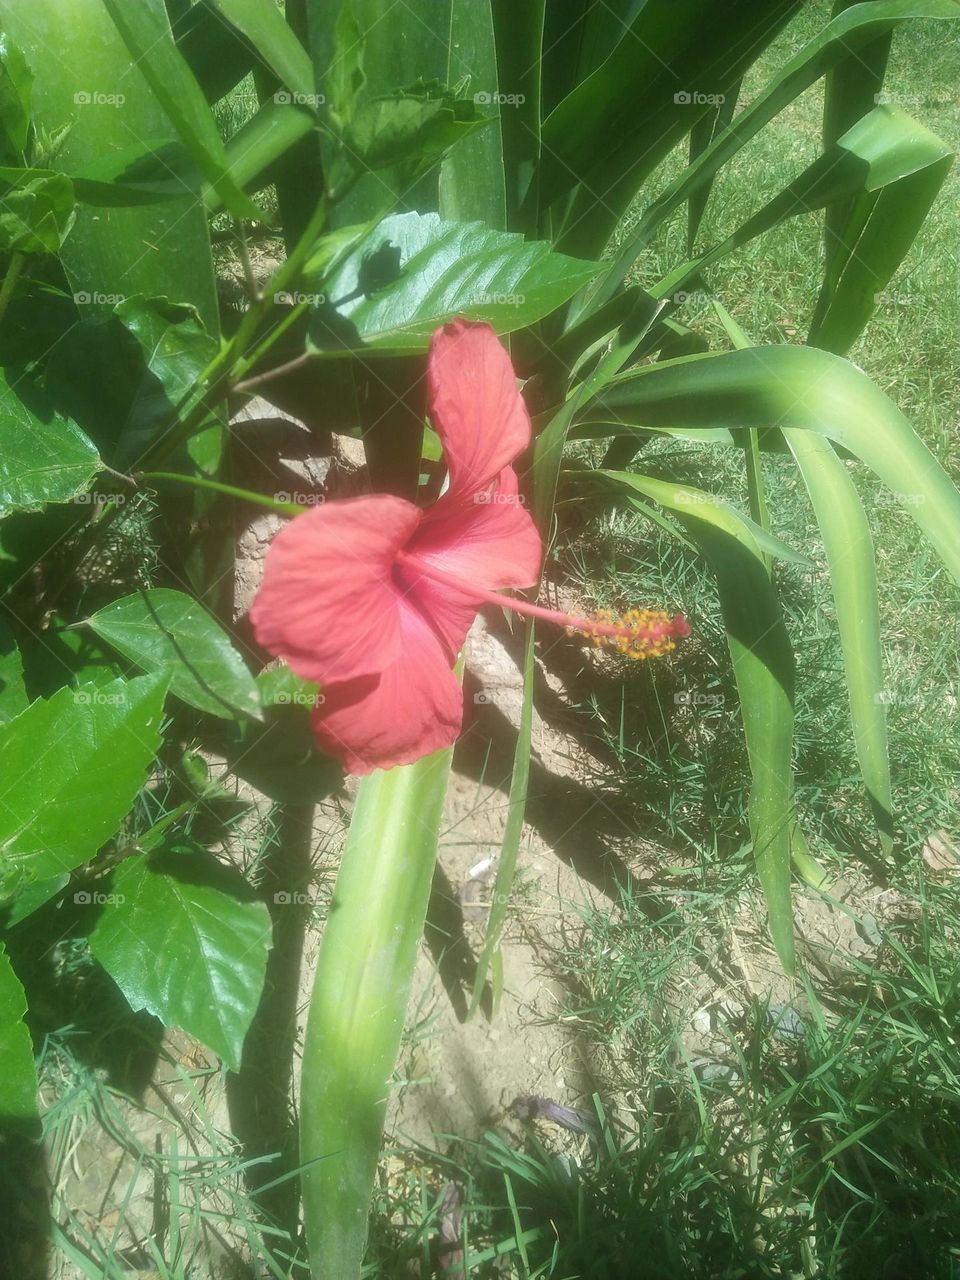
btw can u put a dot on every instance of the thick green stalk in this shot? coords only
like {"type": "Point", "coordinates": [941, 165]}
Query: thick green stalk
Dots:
{"type": "Point", "coordinates": [364, 972]}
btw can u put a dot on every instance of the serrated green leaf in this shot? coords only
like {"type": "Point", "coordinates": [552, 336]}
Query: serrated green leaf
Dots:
{"type": "Point", "coordinates": [17, 1068]}
{"type": "Point", "coordinates": [13, 694]}
{"type": "Point", "coordinates": [445, 269]}
{"type": "Point", "coordinates": [42, 460]}
{"type": "Point", "coordinates": [36, 210]}
{"type": "Point", "coordinates": [182, 939]}
{"type": "Point", "coordinates": [169, 632]}
{"type": "Point", "coordinates": [72, 766]}
{"type": "Point", "coordinates": [16, 83]}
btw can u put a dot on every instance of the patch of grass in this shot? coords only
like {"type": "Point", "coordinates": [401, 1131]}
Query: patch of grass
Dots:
{"type": "Point", "coordinates": [815, 1139]}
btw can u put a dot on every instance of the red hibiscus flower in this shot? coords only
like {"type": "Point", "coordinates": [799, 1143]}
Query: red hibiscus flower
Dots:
{"type": "Point", "coordinates": [372, 597]}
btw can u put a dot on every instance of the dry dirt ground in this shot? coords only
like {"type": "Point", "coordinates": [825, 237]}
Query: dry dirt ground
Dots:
{"type": "Point", "coordinates": [455, 1078]}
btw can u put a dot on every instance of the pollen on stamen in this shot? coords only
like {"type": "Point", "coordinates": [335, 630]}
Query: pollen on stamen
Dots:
{"type": "Point", "coordinates": [637, 634]}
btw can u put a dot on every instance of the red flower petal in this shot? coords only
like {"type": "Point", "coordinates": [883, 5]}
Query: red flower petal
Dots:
{"type": "Point", "coordinates": [475, 406]}
{"type": "Point", "coordinates": [490, 543]}
{"type": "Point", "coordinates": [328, 604]}
{"type": "Point", "coordinates": [413, 707]}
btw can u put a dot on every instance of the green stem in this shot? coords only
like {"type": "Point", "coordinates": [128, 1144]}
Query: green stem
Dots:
{"type": "Point", "coordinates": [246, 495]}
{"type": "Point", "coordinates": [14, 268]}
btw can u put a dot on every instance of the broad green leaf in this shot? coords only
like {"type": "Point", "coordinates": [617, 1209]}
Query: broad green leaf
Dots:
{"type": "Point", "coordinates": [409, 131]}
{"type": "Point", "coordinates": [849, 32]}
{"type": "Point", "coordinates": [792, 386]}
{"type": "Point", "coordinates": [36, 210]}
{"type": "Point", "coordinates": [763, 665]}
{"type": "Point", "coordinates": [17, 1068]}
{"type": "Point", "coordinates": [41, 460]}
{"type": "Point", "coordinates": [143, 174]}
{"type": "Point", "coordinates": [472, 174]}
{"type": "Point", "coordinates": [364, 971]}
{"type": "Point", "coordinates": [13, 695]}
{"type": "Point", "coordinates": [213, 49]}
{"type": "Point", "coordinates": [176, 351]}
{"type": "Point", "coordinates": [445, 269]}
{"type": "Point", "coordinates": [71, 767]}
{"type": "Point", "coordinates": [84, 79]}
{"type": "Point", "coordinates": [16, 84]}
{"type": "Point", "coordinates": [853, 578]}
{"type": "Point", "coordinates": [145, 31]}
{"type": "Point", "coordinates": [31, 898]}
{"type": "Point", "coordinates": [182, 939]}
{"type": "Point", "coordinates": [615, 127]}
{"type": "Point", "coordinates": [275, 43]}
{"type": "Point", "coordinates": [519, 33]}
{"type": "Point", "coordinates": [167, 631]}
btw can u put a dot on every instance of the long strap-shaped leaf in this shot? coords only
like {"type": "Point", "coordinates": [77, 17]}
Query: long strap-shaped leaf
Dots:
{"type": "Point", "coordinates": [844, 36]}
{"type": "Point", "coordinates": [360, 993]}
{"type": "Point", "coordinates": [853, 577]}
{"type": "Point", "coordinates": [763, 665]}
{"type": "Point", "coordinates": [792, 386]}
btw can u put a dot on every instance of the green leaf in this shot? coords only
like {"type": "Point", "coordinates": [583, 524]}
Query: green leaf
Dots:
{"type": "Point", "coordinates": [182, 940]}
{"type": "Point", "coordinates": [853, 578]}
{"type": "Point", "coordinates": [672, 50]}
{"type": "Point", "coordinates": [445, 269]}
{"type": "Point", "coordinates": [409, 130]}
{"type": "Point", "coordinates": [791, 386]}
{"type": "Point", "coordinates": [176, 351]}
{"type": "Point", "coordinates": [763, 665]}
{"type": "Point", "coordinates": [841, 39]}
{"type": "Point", "coordinates": [512, 835]}
{"type": "Point", "coordinates": [472, 174]}
{"type": "Point", "coordinates": [16, 84]}
{"type": "Point", "coordinates": [13, 695]}
{"type": "Point", "coordinates": [17, 1068]}
{"type": "Point", "coordinates": [36, 210]}
{"type": "Point", "coordinates": [42, 460]}
{"type": "Point", "coordinates": [274, 41]}
{"type": "Point", "coordinates": [73, 49]}
{"type": "Point", "coordinates": [72, 766]}
{"type": "Point", "coordinates": [877, 226]}
{"type": "Point", "coordinates": [364, 971]}
{"type": "Point", "coordinates": [167, 631]}
{"type": "Point", "coordinates": [145, 31]}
